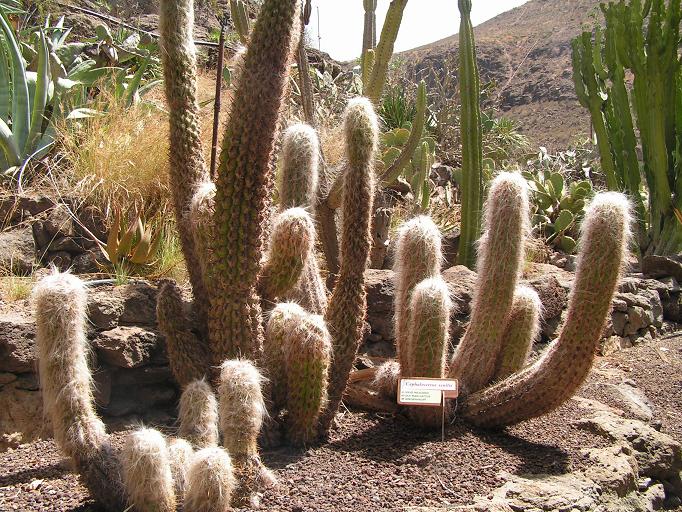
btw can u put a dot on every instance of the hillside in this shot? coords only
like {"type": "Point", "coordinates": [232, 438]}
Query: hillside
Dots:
{"type": "Point", "coordinates": [527, 52]}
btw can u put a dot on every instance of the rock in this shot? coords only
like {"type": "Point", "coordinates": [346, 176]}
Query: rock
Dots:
{"type": "Point", "coordinates": [662, 266]}
{"type": "Point", "coordinates": [613, 468]}
{"type": "Point", "coordinates": [17, 208]}
{"type": "Point", "coordinates": [658, 455]}
{"type": "Point", "coordinates": [571, 492]}
{"type": "Point", "coordinates": [6, 378]}
{"type": "Point", "coordinates": [17, 334]}
{"type": "Point", "coordinates": [440, 174]}
{"type": "Point", "coordinates": [672, 308]}
{"type": "Point", "coordinates": [57, 224]}
{"type": "Point", "coordinates": [88, 262]}
{"type": "Point", "coordinates": [618, 322]}
{"type": "Point", "coordinates": [22, 411]}
{"type": "Point", "coordinates": [461, 283]}
{"type": "Point", "coordinates": [17, 250]}
{"type": "Point", "coordinates": [91, 220]}
{"type": "Point", "coordinates": [672, 285]}
{"type": "Point", "coordinates": [60, 259]}
{"type": "Point", "coordinates": [552, 295]}
{"type": "Point", "coordinates": [655, 496]}
{"type": "Point", "coordinates": [143, 376]}
{"type": "Point", "coordinates": [450, 247]}
{"type": "Point", "coordinates": [380, 291]}
{"type": "Point", "coordinates": [139, 303]}
{"type": "Point", "coordinates": [140, 399]}
{"type": "Point", "coordinates": [104, 308]}
{"type": "Point", "coordinates": [633, 399]}
{"type": "Point", "coordinates": [101, 379]}
{"type": "Point", "coordinates": [126, 347]}
{"type": "Point", "coordinates": [614, 344]}
{"type": "Point", "coordinates": [638, 318]}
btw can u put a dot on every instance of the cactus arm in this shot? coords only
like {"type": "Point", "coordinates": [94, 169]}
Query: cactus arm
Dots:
{"type": "Point", "coordinates": [147, 471]}
{"type": "Point", "coordinates": [396, 168]}
{"type": "Point", "coordinates": [307, 353]}
{"type": "Point", "coordinates": [427, 343]}
{"type": "Point", "coordinates": [187, 357]}
{"type": "Point", "coordinates": [384, 51]}
{"type": "Point", "coordinates": [240, 399]}
{"type": "Point", "coordinates": [292, 244]}
{"type": "Point", "coordinates": [499, 267]}
{"type": "Point", "coordinates": [472, 152]}
{"type": "Point", "coordinates": [60, 309]}
{"type": "Point", "coordinates": [210, 481]}
{"type": "Point", "coordinates": [244, 180]}
{"type": "Point", "coordinates": [187, 166]}
{"type": "Point", "coordinates": [367, 63]}
{"type": "Point", "coordinates": [545, 385]}
{"type": "Point", "coordinates": [418, 256]}
{"type": "Point", "coordinates": [523, 327]}
{"type": "Point", "coordinates": [198, 415]}
{"type": "Point", "coordinates": [240, 20]}
{"type": "Point", "coordinates": [347, 306]}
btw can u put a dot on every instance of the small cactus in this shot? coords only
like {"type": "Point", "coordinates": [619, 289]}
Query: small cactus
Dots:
{"type": "Point", "coordinates": [300, 158]}
{"type": "Point", "coordinates": [180, 453]}
{"type": "Point", "coordinates": [147, 472]}
{"type": "Point", "coordinates": [418, 257]}
{"type": "Point", "coordinates": [427, 339]}
{"type": "Point", "coordinates": [198, 415]}
{"type": "Point", "coordinates": [210, 481]}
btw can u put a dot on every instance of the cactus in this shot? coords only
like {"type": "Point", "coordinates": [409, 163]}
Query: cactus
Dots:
{"type": "Point", "coordinates": [499, 264]}
{"type": "Point", "coordinates": [345, 315]}
{"type": "Point", "coordinates": [222, 228]}
{"type": "Point", "coordinates": [240, 19]}
{"type": "Point", "coordinates": [521, 330]}
{"type": "Point", "coordinates": [418, 257]}
{"type": "Point", "coordinates": [495, 387]}
{"type": "Point", "coordinates": [300, 158]}
{"type": "Point", "coordinates": [242, 414]}
{"type": "Point", "coordinates": [472, 145]}
{"type": "Point", "coordinates": [644, 41]}
{"type": "Point", "coordinates": [369, 33]}
{"type": "Point", "coordinates": [546, 384]}
{"type": "Point", "coordinates": [211, 481]}
{"type": "Point", "coordinates": [384, 51]}
{"type": "Point", "coordinates": [147, 471]}
{"type": "Point", "coordinates": [427, 339]}
{"type": "Point", "coordinates": [60, 304]}
{"type": "Point", "coordinates": [198, 415]}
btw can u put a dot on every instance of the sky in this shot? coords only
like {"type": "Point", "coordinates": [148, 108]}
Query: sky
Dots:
{"type": "Point", "coordinates": [424, 21]}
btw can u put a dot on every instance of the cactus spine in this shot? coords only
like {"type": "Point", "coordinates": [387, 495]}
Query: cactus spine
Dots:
{"type": "Point", "coordinates": [521, 330]}
{"type": "Point", "coordinates": [546, 384]}
{"type": "Point", "coordinates": [60, 310]}
{"type": "Point", "coordinates": [470, 130]}
{"type": "Point", "coordinates": [499, 266]}
{"type": "Point", "coordinates": [345, 315]}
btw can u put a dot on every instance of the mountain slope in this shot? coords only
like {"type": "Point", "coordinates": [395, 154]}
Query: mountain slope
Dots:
{"type": "Point", "coordinates": [527, 53]}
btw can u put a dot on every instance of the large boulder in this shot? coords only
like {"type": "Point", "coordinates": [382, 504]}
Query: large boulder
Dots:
{"type": "Point", "coordinates": [663, 266]}
{"type": "Point", "coordinates": [127, 346]}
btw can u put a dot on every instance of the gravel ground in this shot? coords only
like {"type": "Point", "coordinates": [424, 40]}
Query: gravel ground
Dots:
{"type": "Point", "coordinates": [378, 462]}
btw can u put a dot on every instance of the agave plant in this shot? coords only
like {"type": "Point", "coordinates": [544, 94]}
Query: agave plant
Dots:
{"type": "Point", "coordinates": [130, 243]}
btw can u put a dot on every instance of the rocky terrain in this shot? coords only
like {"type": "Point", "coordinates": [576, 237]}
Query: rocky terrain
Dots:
{"type": "Point", "coordinates": [526, 52]}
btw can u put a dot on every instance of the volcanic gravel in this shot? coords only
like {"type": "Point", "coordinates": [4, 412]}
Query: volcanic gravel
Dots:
{"type": "Point", "coordinates": [381, 462]}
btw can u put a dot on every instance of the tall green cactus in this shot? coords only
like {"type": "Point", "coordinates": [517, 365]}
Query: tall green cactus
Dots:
{"type": "Point", "coordinates": [472, 142]}
{"type": "Point", "coordinates": [644, 40]}
{"type": "Point", "coordinates": [384, 51]}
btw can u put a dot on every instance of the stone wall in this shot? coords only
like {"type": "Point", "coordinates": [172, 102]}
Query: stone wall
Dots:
{"type": "Point", "coordinates": [131, 375]}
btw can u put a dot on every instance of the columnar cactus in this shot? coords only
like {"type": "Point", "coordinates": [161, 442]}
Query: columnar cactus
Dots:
{"type": "Point", "coordinates": [496, 386]}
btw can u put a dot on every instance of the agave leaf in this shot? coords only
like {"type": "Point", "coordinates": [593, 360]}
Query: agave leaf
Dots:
{"type": "Point", "coordinates": [20, 99]}
{"type": "Point", "coordinates": [142, 249]}
{"type": "Point", "coordinates": [5, 89]}
{"type": "Point", "coordinates": [112, 240]}
{"type": "Point", "coordinates": [8, 144]}
{"type": "Point", "coordinates": [41, 94]}
{"type": "Point", "coordinates": [126, 243]}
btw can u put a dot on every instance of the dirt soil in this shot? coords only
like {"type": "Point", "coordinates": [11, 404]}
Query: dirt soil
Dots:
{"type": "Point", "coordinates": [378, 462]}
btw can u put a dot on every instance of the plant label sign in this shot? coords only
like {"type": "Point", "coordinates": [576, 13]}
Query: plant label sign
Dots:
{"type": "Point", "coordinates": [426, 391]}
